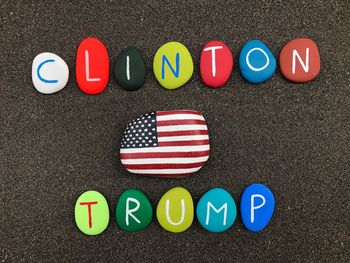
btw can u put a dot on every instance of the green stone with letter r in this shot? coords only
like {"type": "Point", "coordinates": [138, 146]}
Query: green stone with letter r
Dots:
{"type": "Point", "coordinates": [134, 211]}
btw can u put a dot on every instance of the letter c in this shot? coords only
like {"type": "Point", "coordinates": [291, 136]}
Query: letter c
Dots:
{"type": "Point", "coordinates": [38, 72]}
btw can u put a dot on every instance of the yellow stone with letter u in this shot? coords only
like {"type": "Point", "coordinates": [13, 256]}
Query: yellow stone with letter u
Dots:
{"type": "Point", "coordinates": [172, 65]}
{"type": "Point", "coordinates": [175, 210]}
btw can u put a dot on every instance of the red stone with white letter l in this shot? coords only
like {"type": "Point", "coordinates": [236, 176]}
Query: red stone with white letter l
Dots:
{"type": "Point", "coordinates": [92, 66]}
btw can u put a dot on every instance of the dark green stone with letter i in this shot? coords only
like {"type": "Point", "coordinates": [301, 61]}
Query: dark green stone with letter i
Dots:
{"type": "Point", "coordinates": [130, 70]}
{"type": "Point", "coordinates": [134, 210]}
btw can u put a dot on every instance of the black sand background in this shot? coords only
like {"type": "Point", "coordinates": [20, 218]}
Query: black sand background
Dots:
{"type": "Point", "coordinates": [293, 138]}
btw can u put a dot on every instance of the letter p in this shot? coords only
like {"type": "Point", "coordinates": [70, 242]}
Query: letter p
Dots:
{"type": "Point", "coordinates": [253, 205]}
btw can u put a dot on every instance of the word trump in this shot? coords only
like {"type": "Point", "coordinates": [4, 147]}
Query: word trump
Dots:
{"type": "Point", "coordinates": [216, 210]}
{"type": "Point", "coordinates": [299, 61]}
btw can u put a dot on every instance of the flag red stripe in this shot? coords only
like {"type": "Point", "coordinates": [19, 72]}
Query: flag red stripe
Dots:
{"type": "Point", "coordinates": [169, 175]}
{"type": "Point", "coordinates": [163, 113]}
{"type": "Point", "coordinates": [183, 143]}
{"type": "Point", "coordinates": [163, 166]}
{"type": "Point", "coordinates": [179, 122]}
{"type": "Point", "coordinates": [182, 133]}
{"type": "Point", "coordinates": [146, 155]}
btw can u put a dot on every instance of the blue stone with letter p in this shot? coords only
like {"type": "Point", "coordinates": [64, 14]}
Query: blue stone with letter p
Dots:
{"type": "Point", "coordinates": [216, 210]}
{"type": "Point", "coordinates": [257, 207]}
{"type": "Point", "coordinates": [256, 62]}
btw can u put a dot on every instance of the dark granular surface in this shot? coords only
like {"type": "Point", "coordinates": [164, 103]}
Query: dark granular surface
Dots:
{"type": "Point", "coordinates": [292, 137]}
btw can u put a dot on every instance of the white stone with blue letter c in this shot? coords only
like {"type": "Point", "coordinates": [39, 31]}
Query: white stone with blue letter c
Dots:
{"type": "Point", "coordinates": [50, 73]}
{"type": "Point", "coordinates": [257, 207]}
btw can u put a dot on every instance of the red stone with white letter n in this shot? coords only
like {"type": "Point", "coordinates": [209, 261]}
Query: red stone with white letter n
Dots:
{"type": "Point", "coordinates": [300, 60]}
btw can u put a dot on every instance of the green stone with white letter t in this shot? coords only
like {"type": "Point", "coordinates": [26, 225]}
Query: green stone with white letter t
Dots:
{"type": "Point", "coordinates": [134, 211]}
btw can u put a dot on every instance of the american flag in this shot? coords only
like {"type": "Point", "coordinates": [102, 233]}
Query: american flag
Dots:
{"type": "Point", "coordinates": [166, 144]}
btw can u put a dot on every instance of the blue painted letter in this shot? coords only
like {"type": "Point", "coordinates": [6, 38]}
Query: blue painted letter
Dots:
{"type": "Point", "coordinates": [38, 72]}
{"type": "Point", "coordinates": [175, 72]}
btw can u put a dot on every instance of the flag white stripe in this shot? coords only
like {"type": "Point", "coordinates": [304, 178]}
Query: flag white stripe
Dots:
{"type": "Point", "coordinates": [183, 138]}
{"type": "Point", "coordinates": [181, 128]}
{"type": "Point", "coordinates": [180, 117]}
{"type": "Point", "coordinates": [165, 160]}
{"type": "Point", "coordinates": [194, 148]}
{"type": "Point", "coordinates": [165, 171]}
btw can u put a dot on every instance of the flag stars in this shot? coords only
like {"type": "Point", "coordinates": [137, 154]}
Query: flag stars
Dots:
{"type": "Point", "coordinates": [142, 132]}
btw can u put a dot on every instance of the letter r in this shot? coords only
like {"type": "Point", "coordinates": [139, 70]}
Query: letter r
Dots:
{"type": "Point", "coordinates": [129, 212]}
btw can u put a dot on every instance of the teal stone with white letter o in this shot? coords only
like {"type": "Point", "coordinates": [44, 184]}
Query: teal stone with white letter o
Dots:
{"type": "Point", "coordinates": [257, 207]}
{"type": "Point", "coordinates": [216, 210]}
{"type": "Point", "coordinates": [256, 62]}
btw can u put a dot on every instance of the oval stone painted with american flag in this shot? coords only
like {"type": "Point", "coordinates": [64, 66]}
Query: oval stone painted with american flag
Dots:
{"type": "Point", "coordinates": [166, 144]}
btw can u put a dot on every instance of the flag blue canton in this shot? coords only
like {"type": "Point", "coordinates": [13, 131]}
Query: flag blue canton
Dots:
{"type": "Point", "coordinates": [141, 133]}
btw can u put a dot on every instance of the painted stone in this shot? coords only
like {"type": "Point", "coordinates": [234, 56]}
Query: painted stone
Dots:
{"type": "Point", "coordinates": [172, 65]}
{"type": "Point", "coordinates": [257, 207]}
{"type": "Point", "coordinates": [256, 62]}
{"type": "Point", "coordinates": [91, 213]}
{"type": "Point", "coordinates": [92, 66]}
{"type": "Point", "coordinates": [130, 70]}
{"type": "Point", "coordinates": [216, 64]}
{"type": "Point", "coordinates": [166, 144]}
{"type": "Point", "coordinates": [175, 210]}
{"type": "Point", "coordinates": [50, 73]}
{"type": "Point", "coordinates": [300, 60]}
{"type": "Point", "coordinates": [134, 211]}
{"type": "Point", "coordinates": [216, 210]}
